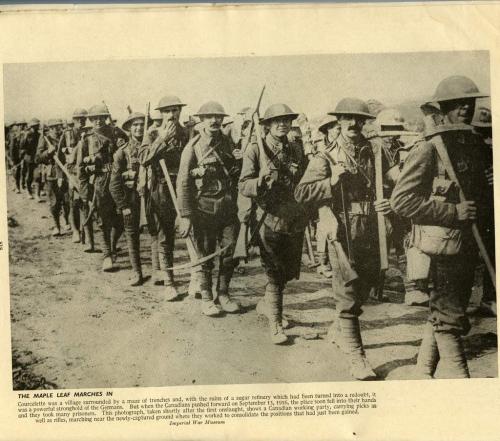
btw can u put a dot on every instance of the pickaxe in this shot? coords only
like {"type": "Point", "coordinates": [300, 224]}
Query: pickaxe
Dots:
{"type": "Point", "coordinates": [194, 258]}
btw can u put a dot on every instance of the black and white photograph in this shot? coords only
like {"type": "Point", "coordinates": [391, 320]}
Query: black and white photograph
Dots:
{"type": "Point", "coordinates": [250, 220]}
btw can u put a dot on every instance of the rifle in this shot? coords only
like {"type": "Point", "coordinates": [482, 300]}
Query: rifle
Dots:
{"type": "Point", "coordinates": [194, 258]}
{"type": "Point", "coordinates": [437, 141]}
{"type": "Point", "coordinates": [347, 273]}
{"type": "Point", "coordinates": [382, 232]}
{"type": "Point", "coordinates": [143, 218]}
{"type": "Point", "coordinates": [71, 180]}
{"type": "Point", "coordinates": [243, 241]}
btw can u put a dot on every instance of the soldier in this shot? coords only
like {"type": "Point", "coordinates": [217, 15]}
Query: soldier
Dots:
{"type": "Point", "coordinates": [29, 146]}
{"type": "Point", "coordinates": [13, 143]}
{"type": "Point", "coordinates": [207, 192]}
{"type": "Point", "coordinates": [57, 185]}
{"type": "Point", "coordinates": [390, 127]}
{"type": "Point", "coordinates": [341, 179]}
{"type": "Point", "coordinates": [68, 144]}
{"type": "Point", "coordinates": [94, 163]}
{"type": "Point", "coordinates": [123, 188]}
{"type": "Point", "coordinates": [164, 143]}
{"type": "Point", "coordinates": [482, 126]}
{"type": "Point", "coordinates": [426, 194]}
{"type": "Point", "coordinates": [269, 177]}
{"type": "Point", "coordinates": [328, 131]}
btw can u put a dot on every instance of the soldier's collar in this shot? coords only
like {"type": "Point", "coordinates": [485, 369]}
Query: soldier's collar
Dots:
{"type": "Point", "coordinates": [276, 143]}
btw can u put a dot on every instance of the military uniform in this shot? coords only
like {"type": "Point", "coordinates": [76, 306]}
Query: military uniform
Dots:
{"type": "Point", "coordinates": [159, 206]}
{"type": "Point", "coordinates": [123, 188]}
{"type": "Point", "coordinates": [350, 200]}
{"type": "Point", "coordinates": [94, 162]}
{"type": "Point", "coordinates": [14, 147]}
{"type": "Point", "coordinates": [426, 194]}
{"type": "Point", "coordinates": [57, 183]}
{"type": "Point", "coordinates": [283, 220]}
{"type": "Point", "coordinates": [29, 146]}
{"type": "Point", "coordinates": [207, 194]}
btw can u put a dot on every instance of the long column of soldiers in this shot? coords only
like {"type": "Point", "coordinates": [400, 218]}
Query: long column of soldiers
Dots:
{"type": "Point", "coordinates": [263, 182]}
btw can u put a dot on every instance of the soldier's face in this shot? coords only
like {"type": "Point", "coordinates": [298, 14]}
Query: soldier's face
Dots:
{"type": "Point", "coordinates": [279, 127]}
{"type": "Point", "coordinates": [351, 125]}
{"type": "Point", "coordinates": [79, 122]}
{"type": "Point", "coordinates": [212, 123]}
{"type": "Point", "coordinates": [333, 132]}
{"type": "Point", "coordinates": [98, 122]}
{"type": "Point", "coordinates": [459, 111]}
{"type": "Point", "coordinates": [171, 114]}
{"type": "Point", "coordinates": [137, 128]}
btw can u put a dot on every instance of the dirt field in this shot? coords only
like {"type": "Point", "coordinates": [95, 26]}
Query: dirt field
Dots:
{"type": "Point", "coordinates": [75, 327]}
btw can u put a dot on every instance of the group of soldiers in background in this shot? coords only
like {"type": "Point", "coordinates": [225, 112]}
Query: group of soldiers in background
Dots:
{"type": "Point", "coordinates": [271, 181]}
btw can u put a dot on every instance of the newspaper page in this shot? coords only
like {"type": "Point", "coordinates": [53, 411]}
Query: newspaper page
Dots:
{"type": "Point", "coordinates": [249, 222]}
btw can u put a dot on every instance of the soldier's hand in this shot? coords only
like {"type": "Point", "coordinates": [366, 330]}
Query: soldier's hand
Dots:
{"type": "Point", "coordinates": [466, 211]}
{"type": "Point", "coordinates": [382, 206]}
{"type": "Point", "coordinates": [51, 149]}
{"type": "Point", "coordinates": [127, 215]}
{"type": "Point", "coordinates": [489, 175]}
{"type": "Point", "coordinates": [184, 226]}
{"type": "Point", "coordinates": [59, 182]}
{"type": "Point", "coordinates": [237, 153]}
{"type": "Point", "coordinates": [167, 131]}
{"type": "Point", "coordinates": [337, 171]}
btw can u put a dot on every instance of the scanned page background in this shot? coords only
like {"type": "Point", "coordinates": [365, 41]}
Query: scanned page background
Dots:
{"type": "Point", "coordinates": [445, 409]}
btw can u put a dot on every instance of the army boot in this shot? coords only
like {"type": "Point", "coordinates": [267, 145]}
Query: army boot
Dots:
{"type": "Point", "coordinates": [107, 264]}
{"type": "Point", "coordinates": [89, 238]}
{"type": "Point", "coordinates": [324, 269]}
{"type": "Point", "coordinates": [223, 281]}
{"type": "Point", "coordinates": [158, 277]}
{"type": "Point", "coordinates": [452, 363]}
{"type": "Point", "coordinates": [208, 307]}
{"type": "Point", "coordinates": [170, 291]}
{"type": "Point", "coordinates": [428, 355]}
{"type": "Point", "coordinates": [351, 344]}
{"type": "Point", "coordinates": [194, 289]}
{"type": "Point", "coordinates": [273, 303]}
{"type": "Point", "coordinates": [263, 308]}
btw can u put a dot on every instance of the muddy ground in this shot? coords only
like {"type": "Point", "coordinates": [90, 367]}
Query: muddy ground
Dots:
{"type": "Point", "coordinates": [76, 327]}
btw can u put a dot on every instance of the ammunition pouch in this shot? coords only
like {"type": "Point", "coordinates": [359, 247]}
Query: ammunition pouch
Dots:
{"type": "Point", "coordinates": [435, 240]}
{"type": "Point", "coordinates": [215, 205]}
{"type": "Point", "coordinates": [129, 179]}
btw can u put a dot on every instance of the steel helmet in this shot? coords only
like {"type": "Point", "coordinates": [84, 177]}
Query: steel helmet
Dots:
{"type": "Point", "coordinates": [390, 122]}
{"type": "Point", "coordinates": [352, 106]}
{"type": "Point", "coordinates": [22, 121]}
{"type": "Point", "coordinates": [327, 122]}
{"type": "Point", "coordinates": [34, 122]}
{"type": "Point", "coordinates": [156, 115]}
{"type": "Point", "coordinates": [169, 101]}
{"type": "Point", "coordinates": [54, 122]}
{"type": "Point", "coordinates": [482, 118]}
{"type": "Point", "coordinates": [211, 108]}
{"type": "Point", "coordinates": [278, 111]}
{"type": "Point", "coordinates": [98, 110]}
{"type": "Point", "coordinates": [374, 106]}
{"type": "Point", "coordinates": [245, 110]}
{"type": "Point", "coordinates": [133, 116]}
{"type": "Point", "coordinates": [80, 113]}
{"type": "Point", "coordinates": [456, 87]}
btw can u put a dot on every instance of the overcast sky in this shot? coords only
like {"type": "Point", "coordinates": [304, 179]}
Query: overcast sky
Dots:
{"type": "Point", "coordinates": [311, 84]}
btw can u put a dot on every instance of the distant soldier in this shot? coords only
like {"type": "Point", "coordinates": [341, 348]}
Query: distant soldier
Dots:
{"type": "Point", "coordinates": [207, 189]}
{"type": "Point", "coordinates": [14, 148]}
{"type": "Point", "coordinates": [94, 162]}
{"type": "Point", "coordinates": [164, 143]}
{"type": "Point", "coordinates": [389, 126]}
{"type": "Point", "coordinates": [68, 144]}
{"type": "Point", "coordinates": [328, 131]}
{"type": "Point", "coordinates": [57, 183]}
{"type": "Point", "coordinates": [29, 144]}
{"type": "Point", "coordinates": [269, 177]}
{"type": "Point", "coordinates": [442, 222]}
{"type": "Point", "coordinates": [123, 188]}
{"type": "Point", "coordinates": [482, 126]}
{"type": "Point", "coordinates": [342, 179]}
{"type": "Point", "coordinates": [157, 119]}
